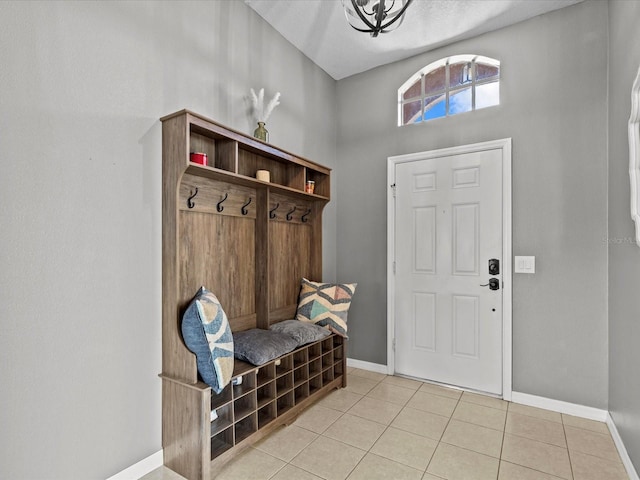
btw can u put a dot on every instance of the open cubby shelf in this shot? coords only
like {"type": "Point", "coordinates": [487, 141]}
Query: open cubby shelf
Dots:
{"type": "Point", "coordinates": [231, 153]}
{"type": "Point", "coordinates": [265, 401]}
{"type": "Point", "coordinates": [250, 242]}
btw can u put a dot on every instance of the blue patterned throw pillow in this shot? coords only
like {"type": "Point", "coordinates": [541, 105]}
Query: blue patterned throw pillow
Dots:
{"type": "Point", "coordinates": [207, 333]}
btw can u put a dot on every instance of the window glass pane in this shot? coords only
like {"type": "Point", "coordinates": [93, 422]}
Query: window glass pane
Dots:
{"type": "Point", "coordinates": [413, 91]}
{"type": "Point", "coordinates": [487, 95]}
{"type": "Point", "coordinates": [460, 101]}
{"type": "Point", "coordinates": [412, 112]}
{"type": "Point", "coordinates": [434, 81]}
{"type": "Point", "coordinates": [434, 107]}
{"type": "Point", "coordinates": [486, 71]}
{"type": "Point", "coordinates": [459, 74]}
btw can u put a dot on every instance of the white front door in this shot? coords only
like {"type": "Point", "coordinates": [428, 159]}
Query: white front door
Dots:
{"type": "Point", "coordinates": [448, 226]}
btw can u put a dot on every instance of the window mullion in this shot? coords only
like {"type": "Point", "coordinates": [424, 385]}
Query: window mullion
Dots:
{"type": "Point", "coordinates": [446, 89]}
{"type": "Point", "coordinates": [473, 85]}
{"type": "Point", "coordinates": [422, 96]}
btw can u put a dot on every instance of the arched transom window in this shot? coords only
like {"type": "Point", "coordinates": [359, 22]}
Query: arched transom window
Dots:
{"type": "Point", "coordinates": [457, 84]}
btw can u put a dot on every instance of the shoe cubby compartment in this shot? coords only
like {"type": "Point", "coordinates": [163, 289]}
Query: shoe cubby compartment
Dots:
{"type": "Point", "coordinates": [284, 383]}
{"type": "Point", "coordinates": [222, 418]}
{"type": "Point", "coordinates": [285, 403]}
{"type": "Point", "coordinates": [265, 393]}
{"type": "Point", "coordinates": [284, 365]}
{"type": "Point", "coordinates": [266, 373]}
{"type": "Point", "coordinates": [221, 442]}
{"type": "Point", "coordinates": [244, 405]}
{"type": "Point", "coordinates": [246, 427]}
{"type": "Point", "coordinates": [266, 414]}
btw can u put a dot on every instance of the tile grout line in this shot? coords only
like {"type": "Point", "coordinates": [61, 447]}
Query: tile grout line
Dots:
{"type": "Point", "coordinates": [564, 430]}
{"type": "Point", "coordinates": [388, 426]}
{"type": "Point", "coordinates": [442, 434]}
{"type": "Point", "coordinates": [385, 429]}
{"type": "Point", "coordinates": [366, 451]}
{"type": "Point", "coordinates": [504, 434]}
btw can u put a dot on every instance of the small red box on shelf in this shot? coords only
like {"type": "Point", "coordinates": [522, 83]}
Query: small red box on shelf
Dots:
{"type": "Point", "coordinates": [197, 157]}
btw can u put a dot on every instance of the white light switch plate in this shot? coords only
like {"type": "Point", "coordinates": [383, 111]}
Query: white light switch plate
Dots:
{"type": "Point", "coordinates": [524, 264]}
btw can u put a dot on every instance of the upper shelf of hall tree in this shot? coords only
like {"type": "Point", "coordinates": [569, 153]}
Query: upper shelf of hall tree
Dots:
{"type": "Point", "coordinates": [236, 156]}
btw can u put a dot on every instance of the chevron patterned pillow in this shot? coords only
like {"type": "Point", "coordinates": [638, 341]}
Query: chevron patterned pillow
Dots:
{"type": "Point", "coordinates": [326, 304]}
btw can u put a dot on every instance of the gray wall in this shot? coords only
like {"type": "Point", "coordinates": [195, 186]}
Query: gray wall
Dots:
{"type": "Point", "coordinates": [82, 86]}
{"type": "Point", "coordinates": [624, 255]}
{"type": "Point", "coordinates": [553, 106]}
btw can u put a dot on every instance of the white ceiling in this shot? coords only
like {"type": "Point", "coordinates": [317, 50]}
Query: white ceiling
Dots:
{"type": "Point", "coordinates": [320, 30]}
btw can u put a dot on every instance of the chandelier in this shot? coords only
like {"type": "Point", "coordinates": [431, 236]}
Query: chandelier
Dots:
{"type": "Point", "coordinates": [375, 16]}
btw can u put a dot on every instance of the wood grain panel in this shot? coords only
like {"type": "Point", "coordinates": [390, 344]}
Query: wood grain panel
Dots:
{"type": "Point", "coordinates": [227, 155]}
{"type": "Point", "coordinates": [289, 261]}
{"type": "Point", "coordinates": [218, 252]}
{"type": "Point", "coordinates": [177, 360]}
{"type": "Point", "coordinates": [262, 254]}
{"type": "Point", "coordinates": [185, 440]}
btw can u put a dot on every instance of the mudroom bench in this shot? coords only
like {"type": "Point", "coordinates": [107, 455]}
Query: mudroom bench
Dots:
{"type": "Point", "coordinates": [250, 241]}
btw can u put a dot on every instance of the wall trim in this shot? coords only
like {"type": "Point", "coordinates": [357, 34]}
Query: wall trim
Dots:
{"type": "Point", "coordinates": [559, 406]}
{"type": "Point", "coordinates": [584, 412]}
{"type": "Point", "coordinates": [622, 450]}
{"type": "Point", "coordinates": [140, 469]}
{"type": "Point", "coordinates": [372, 367]}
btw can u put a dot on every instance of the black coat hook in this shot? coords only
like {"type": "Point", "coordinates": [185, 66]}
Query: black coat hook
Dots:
{"type": "Point", "coordinates": [219, 206]}
{"type": "Point", "coordinates": [244, 207]}
{"type": "Point", "coordinates": [190, 203]}
{"type": "Point", "coordinates": [272, 213]}
{"type": "Point", "coordinates": [290, 212]}
{"type": "Point", "coordinates": [304, 217]}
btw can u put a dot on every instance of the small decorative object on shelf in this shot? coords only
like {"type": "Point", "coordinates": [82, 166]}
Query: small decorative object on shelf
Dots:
{"type": "Point", "coordinates": [198, 157]}
{"type": "Point", "coordinates": [261, 133]}
{"type": "Point", "coordinates": [310, 186]}
{"type": "Point", "coordinates": [263, 175]}
{"type": "Point", "coordinates": [261, 113]}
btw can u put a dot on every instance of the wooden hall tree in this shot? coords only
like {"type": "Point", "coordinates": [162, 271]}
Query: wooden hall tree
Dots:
{"type": "Point", "coordinates": [250, 242]}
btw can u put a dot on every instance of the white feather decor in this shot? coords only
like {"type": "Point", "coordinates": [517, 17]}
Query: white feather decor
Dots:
{"type": "Point", "coordinates": [261, 113]}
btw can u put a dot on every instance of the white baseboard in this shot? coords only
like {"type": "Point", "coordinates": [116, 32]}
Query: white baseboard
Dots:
{"type": "Point", "coordinates": [622, 450]}
{"type": "Point", "coordinates": [560, 406]}
{"type": "Point", "coordinates": [584, 412]}
{"type": "Point", "coordinates": [372, 367]}
{"type": "Point", "coordinates": [140, 469]}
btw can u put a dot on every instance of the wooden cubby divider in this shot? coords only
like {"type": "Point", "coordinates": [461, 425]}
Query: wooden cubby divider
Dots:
{"type": "Point", "coordinates": [250, 242]}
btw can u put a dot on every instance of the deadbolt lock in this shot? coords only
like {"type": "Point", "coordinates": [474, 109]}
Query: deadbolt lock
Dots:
{"type": "Point", "coordinates": [494, 266]}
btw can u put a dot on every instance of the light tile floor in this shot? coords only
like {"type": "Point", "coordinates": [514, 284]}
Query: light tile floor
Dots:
{"type": "Point", "coordinates": [384, 427]}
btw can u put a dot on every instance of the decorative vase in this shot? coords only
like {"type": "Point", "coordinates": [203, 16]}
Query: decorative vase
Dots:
{"type": "Point", "coordinates": [261, 132]}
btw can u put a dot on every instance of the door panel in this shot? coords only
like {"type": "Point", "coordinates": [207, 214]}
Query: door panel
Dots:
{"type": "Point", "coordinates": [448, 214]}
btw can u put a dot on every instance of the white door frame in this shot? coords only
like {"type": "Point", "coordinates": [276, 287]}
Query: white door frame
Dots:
{"type": "Point", "coordinates": [504, 145]}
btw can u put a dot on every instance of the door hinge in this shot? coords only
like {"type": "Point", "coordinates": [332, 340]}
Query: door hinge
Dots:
{"type": "Point", "coordinates": [393, 190]}
{"type": "Point", "coordinates": [393, 344]}
{"type": "Point", "coordinates": [394, 267]}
